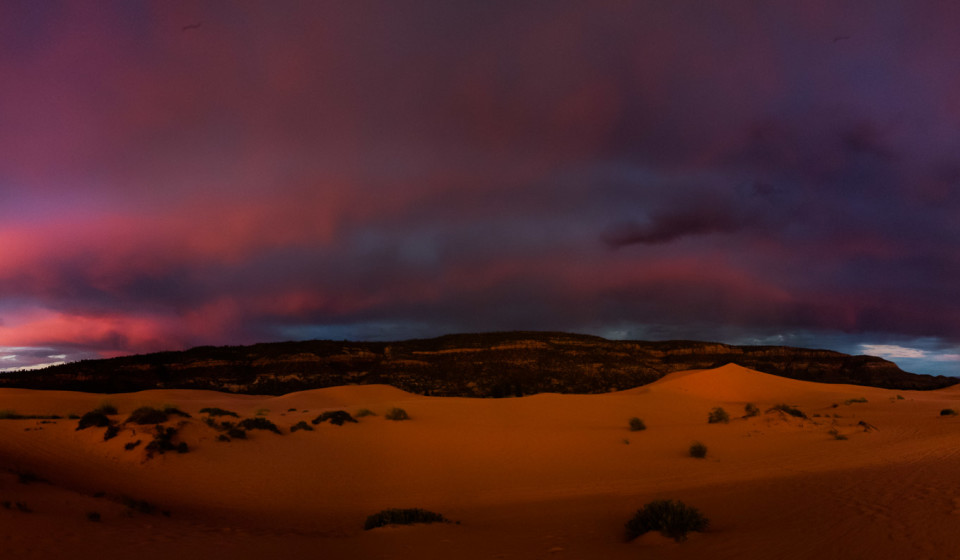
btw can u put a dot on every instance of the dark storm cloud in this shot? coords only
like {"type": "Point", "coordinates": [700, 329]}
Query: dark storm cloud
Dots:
{"type": "Point", "coordinates": [357, 167]}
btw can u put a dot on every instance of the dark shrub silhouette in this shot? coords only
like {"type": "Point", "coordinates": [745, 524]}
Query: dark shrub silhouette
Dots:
{"type": "Point", "coordinates": [402, 517]}
{"type": "Point", "coordinates": [787, 409]}
{"type": "Point", "coordinates": [718, 415]}
{"type": "Point", "coordinates": [131, 445]}
{"type": "Point", "coordinates": [106, 408]}
{"type": "Point", "coordinates": [637, 425]}
{"type": "Point", "coordinates": [698, 450]}
{"type": "Point", "coordinates": [337, 417]}
{"type": "Point", "coordinates": [750, 410]}
{"type": "Point", "coordinates": [94, 419]}
{"type": "Point", "coordinates": [214, 411]}
{"type": "Point", "coordinates": [301, 425]}
{"type": "Point", "coordinates": [396, 414]}
{"type": "Point", "coordinates": [148, 415]}
{"type": "Point", "coordinates": [112, 431]}
{"type": "Point", "coordinates": [671, 519]}
{"type": "Point", "coordinates": [948, 412]}
{"type": "Point", "coordinates": [258, 423]}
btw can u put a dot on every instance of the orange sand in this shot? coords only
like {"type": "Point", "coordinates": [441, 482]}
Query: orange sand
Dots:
{"type": "Point", "coordinates": [545, 476]}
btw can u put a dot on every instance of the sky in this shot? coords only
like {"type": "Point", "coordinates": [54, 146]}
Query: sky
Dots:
{"type": "Point", "coordinates": [182, 173]}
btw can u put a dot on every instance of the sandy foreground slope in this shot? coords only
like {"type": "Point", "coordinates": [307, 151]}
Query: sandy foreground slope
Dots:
{"type": "Point", "coordinates": [545, 476]}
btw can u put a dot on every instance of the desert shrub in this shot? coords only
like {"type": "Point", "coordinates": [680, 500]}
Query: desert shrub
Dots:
{"type": "Point", "coordinates": [141, 506]}
{"type": "Point", "coordinates": [148, 415]}
{"type": "Point", "coordinates": [223, 437]}
{"type": "Point", "coordinates": [301, 425]}
{"type": "Point", "coordinates": [214, 411]}
{"type": "Point", "coordinates": [857, 400]}
{"type": "Point", "coordinates": [836, 434]}
{"type": "Point", "coordinates": [337, 417]}
{"type": "Point", "coordinates": [750, 410]}
{"type": "Point", "coordinates": [402, 517]}
{"type": "Point", "coordinates": [94, 419]}
{"type": "Point", "coordinates": [899, 397]}
{"type": "Point", "coordinates": [364, 412]}
{"type": "Point", "coordinates": [637, 425]}
{"type": "Point", "coordinates": [112, 431]}
{"type": "Point", "coordinates": [396, 414]}
{"type": "Point", "coordinates": [671, 519]}
{"type": "Point", "coordinates": [174, 411]}
{"type": "Point", "coordinates": [258, 423]}
{"type": "Point", "coordinates": [787, 409]}
{"type": "Point", "coordinates": [718, 415]}
{"type": "Point", "coordinates": [236, 433]}
{"type": "Point", "coordinates": [291, 410]}
{"type": "Point", "coordinates": [93, 516]}
{"type": "Point", "coordinates": [163, 442]}
{"type": "Point", "coordinates": [28, 477]}
{"type": "Point", "coordinates": [698, 450]}
{"type": "Point", "coordinates": [948, 412]}
{"type": "Point", "coordinates": [262, 412]}
{"type": "Point", "coordinates": [106, 407]}
{"type": "Point", "coordinates": [131, 445]}
{"type": "Point", "coordinates": [73, 416]}
{"type": "Point", "coordinates": [8, 414]}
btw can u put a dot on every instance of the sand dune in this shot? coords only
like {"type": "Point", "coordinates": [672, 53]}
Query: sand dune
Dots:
{"type": "Point", "coordinates": [545, 476]}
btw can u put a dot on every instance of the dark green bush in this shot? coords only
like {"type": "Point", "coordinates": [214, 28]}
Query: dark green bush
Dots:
{"type": "Point", "coordinates": [750, 410]}
{"type": "Point", "coordinates": [337, 417]}
{"type": "Point", "coordinates": [106, 408]}
{"type": "Point", "coordinates": [131, 445]}
{"type": "Point", "coordinates": [396, 414]}
{"type": "Point", "coordinates": [236, 433]}
{"type": "Point", "coordinates": [258, 423]}
{"type": "Point", "coordinates": [364, 412]}
{"type": "Point", "coordinates": [671, 519]}
{"type": "Point", "coordinates": [174, 411]}
{"type": "Point", "coordinates": [214, 411]}
{"type": "Point", "coordinates": [112, 431]}
{"type": "Point", "coordinates": [148, 415]}
{"type": "Point", "coordinates": [718, 415]}
{"type": "Point", "coordinates": [857, 400]}
{"type": "Point", "coordinates": [698, 450]}
{"type": "Point", "coordinates": [787, 409]}
{"type": "Point", "coordinates": [836, 434]}
{"type": "Point", "coordinates": [163, 441]}
{"type": "Point", "coordinates": [637, 425]}
{"type": "Point", "coordinates": [402, 517]}
{"type": "Point", "coordinates": [948, 412]}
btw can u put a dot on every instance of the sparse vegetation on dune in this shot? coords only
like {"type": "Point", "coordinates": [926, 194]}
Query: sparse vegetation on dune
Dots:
{"type": "Point", "coordinates": [750, 410]}
{"type": "Point", "coordinates": [364, 412]}
{"type": "Point", "coordinates": [856, 400]}
{"type": "Point", "coordinates": [258, 423]}
{"type": "Point", "coordinates": [8, 414]}
{"type": "Point", "coordinates": [396, 414]}
{"type": "Point", "coordinates": [107, 408]}
{"type": "Point", "coordinates": [836, 434]}
{"type": "Point", "coordinates": [163, 441]}
{"type": "Point", "coordinates": [948, 412]}
{"type": "Point", "coordinates": [637, 425]}
{"type": "Point", "coordinates": [148, 415]}
{"type": "Point", "coordinates": [402, 517]}
{"type": "Point", "coordinates": [301, 425]}
{"type": "Point", "coordinates": [718, 415]}
{"type": "Point", "coordinates": [214, 411]}
{"type": "Point", "coordinates": [672, 519]}
{"type": "Point", "coordinates": [698, 450]}
{"type": "Point", "coordinates": [787, 409]}
{"type": "Point", "coordinates": [94, 419]}
{"type": "Point", "coordinates": [337, 417]}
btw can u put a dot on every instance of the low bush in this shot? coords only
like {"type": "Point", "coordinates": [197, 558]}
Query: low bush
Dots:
{"type": "Point", "coordinates": [698, 450]}
{"type": "Point", "coordinates": [750, 410]}
{"type": "Point", "coordinates": [637, 425]}
{"type": "Point", "coordinates": [837, 435]}
{"type": "Point", "coordinates": [214, 411]}
{"type": "Point", "coordinates": [262, 412]}
{"type": "Point", "coordinates": [672, 519]}
{"type": "Point", "coordinates": [948, 412]}
{"type": "Point", "coordinates": [106, 407]}
{"type": "Point", "coordinates": [163, 442]}
{"type": "Point", "coordinates": [857, 400]}
{"type": "Point", "coordinates": [364, 412]}
{"type": "Point", "coordinates": [787, 409]}
{"type": "Point", "coordinates": [236, 433]}
{"type": "Point", "coordinates": [131, 445]}
{"type": "Point", "coordinates": [396, 414]}
{"type": "Point", "coordinates": [301, 425]}
{"type": "Point", "coordinates": [93, 419]}
{"type": "Point", "coordinates": [402, 517]}
{"type": "Point", "coordinates": [112, 431]}
{"type": "Point", "coordinates": [174, 411]}
{"type": "Point", "coordinates": [148, 415]}
{"type": "Point", "coordinates": [258, 423]}
{"type": "Point", "coordinates": [337, 417]}
{"type": "Point", "coordinates": [93, 516]}
{"type": "Point", "coordinates": [718, 415]}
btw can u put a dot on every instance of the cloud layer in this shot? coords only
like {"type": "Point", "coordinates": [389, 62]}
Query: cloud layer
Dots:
{"type": "Point", "coordinates": [383, 169]}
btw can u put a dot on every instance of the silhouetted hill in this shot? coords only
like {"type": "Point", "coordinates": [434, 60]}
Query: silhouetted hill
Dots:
{"type": "Point", "coordinates": [467, 365]}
